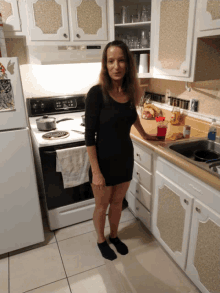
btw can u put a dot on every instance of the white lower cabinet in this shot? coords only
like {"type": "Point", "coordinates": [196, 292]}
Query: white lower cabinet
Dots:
{"type": "Point", "coordinates": [188, 228]}
{"type": "Point", "coordinates": [203, 263]}
{"type": "Point", "coordinates": [172, 218]}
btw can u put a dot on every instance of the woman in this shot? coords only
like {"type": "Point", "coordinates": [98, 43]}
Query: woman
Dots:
{"type": "Point", "coordinates": [110, 112]}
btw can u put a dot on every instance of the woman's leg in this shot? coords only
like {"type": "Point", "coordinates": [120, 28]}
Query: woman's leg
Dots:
{"type": "Point", "coordinates": [116, 200]}
{"type": "Point", "coordinates": [102, 199]}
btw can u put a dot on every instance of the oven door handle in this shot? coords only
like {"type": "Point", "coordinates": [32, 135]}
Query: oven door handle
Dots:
{"type": "Point", "coordinates": [49, 153]}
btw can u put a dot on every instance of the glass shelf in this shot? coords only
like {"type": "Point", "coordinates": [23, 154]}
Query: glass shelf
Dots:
{"type": "Point", "coordinates": [133, 24]}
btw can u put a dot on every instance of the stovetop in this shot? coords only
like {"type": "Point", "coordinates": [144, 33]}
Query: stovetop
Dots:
{"type": "Point", "coordinates": [58, 107]}
{"type": "Point", "coordinates": [68, 125]}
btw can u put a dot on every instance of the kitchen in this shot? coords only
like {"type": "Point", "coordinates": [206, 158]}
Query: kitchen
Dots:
{"type": "Point", "coordinates": [42, 75]}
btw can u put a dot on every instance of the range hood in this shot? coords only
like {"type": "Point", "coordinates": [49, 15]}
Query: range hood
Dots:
{"type": "Point", "coordinates": [64, 54]}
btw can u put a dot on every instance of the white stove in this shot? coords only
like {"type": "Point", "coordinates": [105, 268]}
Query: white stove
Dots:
{"type": "Point", "coordinates": [64, 206]}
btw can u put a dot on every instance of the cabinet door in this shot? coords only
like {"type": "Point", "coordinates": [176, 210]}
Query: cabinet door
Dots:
{"type": "Point", "coordinates": [48, 20]}
{"type": "Point", "coordinates": [89, 20]}
{"type": "Point", "coordinates": [10, 15]}
{"type": "Point", "coordinates": [203, 263]}
{"type": "Point", "coordinates": [173, 37]}
{"type": "Point", "coordinates": [208, 14]}
{"type": "Point", "coordinates": [172, 218]}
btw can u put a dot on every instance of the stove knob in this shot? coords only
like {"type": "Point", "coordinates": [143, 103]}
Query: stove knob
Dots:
{"type": "Point", "coordinates": [42, 105]}
{"type": "Point", "coordinates": [35, 106]}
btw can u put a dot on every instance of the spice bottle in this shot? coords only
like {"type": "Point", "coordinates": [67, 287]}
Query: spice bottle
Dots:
{"type": "Point", "coordinates": [186, 131]}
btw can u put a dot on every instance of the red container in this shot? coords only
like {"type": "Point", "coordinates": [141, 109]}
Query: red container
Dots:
{"type": "Point", "coordinates": [161, 132]}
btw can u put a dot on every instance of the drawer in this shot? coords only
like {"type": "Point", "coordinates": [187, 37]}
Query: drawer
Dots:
{"type": "Point", "coordinates": [131, 202]}
{"type": "Point", "coordinates": [142, 176]}
{"type": "Point", "coordinates": [143, 157]}
{"type": "Point", "coordinates": [192, 185]}
{"type": "Point", "coordinates": [140, 193]}
{"type": "Point", "coordinates": [139, 210]}
{"type": "Point", "coordinates": [143, 214]}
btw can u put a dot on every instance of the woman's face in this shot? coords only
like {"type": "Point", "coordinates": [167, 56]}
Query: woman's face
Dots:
{"type": "Point", "coordinates": [116, 63]}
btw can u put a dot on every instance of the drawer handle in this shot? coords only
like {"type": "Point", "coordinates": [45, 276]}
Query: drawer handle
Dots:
{"type": "Point", "coordinates": [195, 188]}
{"type": "Point", "coordinates": [138, 155]}
{"type": "Point", "coordinates": [198, 210]}
{"type": "Point", "coordinates": [137, 209]}
{"type": "Point", "coordinates": [186, 201]}
{"type": "Point", "coordinates": [137, 191]}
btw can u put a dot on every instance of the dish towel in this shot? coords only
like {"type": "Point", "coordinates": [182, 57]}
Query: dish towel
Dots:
{"type": "Point", "coordinates": [74, 165]}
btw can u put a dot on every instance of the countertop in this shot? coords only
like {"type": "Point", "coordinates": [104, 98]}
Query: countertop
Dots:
{"type": "Point", "coordinates": [150, 126]}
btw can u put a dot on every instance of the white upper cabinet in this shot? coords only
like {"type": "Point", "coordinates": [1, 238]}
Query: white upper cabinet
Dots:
{"type": "Point", "coordinates": [208, 14]}
{"type": "Point", "coordinates": [10, 15]}
{"type": "Point", "coordinates": [89, 20]}
{"type": "Point", "coordinates": [173, 36]}
{"type": "Point", "coordinates": [48, 20]}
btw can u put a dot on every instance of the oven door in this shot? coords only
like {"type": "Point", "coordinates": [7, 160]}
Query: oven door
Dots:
{"type": "Point", "coordinates": [56, 195]}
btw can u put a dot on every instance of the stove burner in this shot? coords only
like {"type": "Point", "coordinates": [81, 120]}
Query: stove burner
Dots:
{"type": "Point", "coordinates": [56, 135]}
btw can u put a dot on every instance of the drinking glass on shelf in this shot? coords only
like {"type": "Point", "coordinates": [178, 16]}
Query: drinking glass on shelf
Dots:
{"type": "Point", "coordinates": [125, 14]}
{"type": "Point", "coordinates": [144, 14]}
{"type": "Point", "coordinates": [131, 43]}
{"type": "Point", "coordinates": [135, 39]}
{"type": "Point", "coordinates": [144, 39]}
{"type": "Point", "coordinates": [134, 18]}
{"type": "Point", "coordinates": [117, 18]}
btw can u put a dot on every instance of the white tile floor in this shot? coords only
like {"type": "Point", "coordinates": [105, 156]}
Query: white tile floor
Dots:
{"type": "Point", "coordinates": [70, 262]}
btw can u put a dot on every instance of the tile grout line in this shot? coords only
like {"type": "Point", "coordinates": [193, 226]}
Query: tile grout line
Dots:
{"type": "Point", "coordinates": [43, 286]}
{"type": "Point", "coordinates": [63, 266]}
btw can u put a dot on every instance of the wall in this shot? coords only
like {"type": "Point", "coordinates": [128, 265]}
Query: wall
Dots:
{"type": "Point", "coordinates": [207, 92]}
{"type": "Point", "coordinates": [53, 80]}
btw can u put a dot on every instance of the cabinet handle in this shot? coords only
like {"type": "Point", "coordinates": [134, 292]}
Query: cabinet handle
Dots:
{"type": "Point", "coordinates": [65, 35]}
{"type": "Point", "coordinates": [78, 36]}
{"type": "Point", "coordinates": [137, 191]}
{"type": "Point", "coordinates": [186, 201]}
{"type": "Point", "coordinates": [184, 71]}
{"type": "Point", "coordinates": [138, 173]}
{"type": "Point", "coordinates": [198, 210]}
{"type": "Point", "coordinates": [195, 188]}
{"type": "Point", "coordinates": [138, 155]}
{"type": "Point", "coordinates": [137, 209]}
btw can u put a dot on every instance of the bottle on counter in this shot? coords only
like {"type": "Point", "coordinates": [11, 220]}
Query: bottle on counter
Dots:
{"type": "Point", "coordinates": [212, 130]}
{"type": "Point", "coordinates": [186, 131]}
{"type": "Point", "coordinates": [175, 119]}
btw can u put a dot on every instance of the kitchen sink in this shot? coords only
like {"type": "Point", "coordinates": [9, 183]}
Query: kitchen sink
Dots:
{"type": "Point", "coordinates": [187, 148]}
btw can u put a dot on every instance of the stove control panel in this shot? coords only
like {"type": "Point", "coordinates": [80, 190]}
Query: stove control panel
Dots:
{"type": "Point", "coordinates": [70, 103]}
{"type": "Point", "coordinates": [55, 105]}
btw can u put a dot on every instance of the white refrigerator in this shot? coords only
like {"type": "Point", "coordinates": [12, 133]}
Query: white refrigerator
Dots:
{"type": "Point", "coordinates": [20, 214]}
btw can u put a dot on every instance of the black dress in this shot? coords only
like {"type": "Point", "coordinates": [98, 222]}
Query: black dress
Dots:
{"type": "Point", "coordinates": [112, 122]}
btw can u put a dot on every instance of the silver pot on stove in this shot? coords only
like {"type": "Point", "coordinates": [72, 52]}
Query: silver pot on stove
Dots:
{"type": "Point", "coordinates": [47, 123]}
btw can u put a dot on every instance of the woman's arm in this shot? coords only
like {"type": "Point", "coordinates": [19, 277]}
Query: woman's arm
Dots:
{"type": "Point", "coordinates": [140, 129]}
{"type": "Point", "coordinates": [93, 159]}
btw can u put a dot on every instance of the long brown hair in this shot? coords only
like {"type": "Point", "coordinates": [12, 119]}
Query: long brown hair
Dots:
{"type": "Point", "coordinates": [130, 84]}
